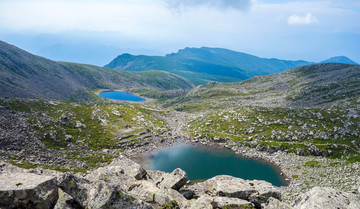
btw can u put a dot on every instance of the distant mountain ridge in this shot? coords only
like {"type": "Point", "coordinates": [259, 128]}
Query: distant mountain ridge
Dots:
{"type": "Point", "coordinates": [201, 65]}
{"type": "Point", "coordinates": [24, 75]}
{"type": "Point", "coordinates": [339, 59]}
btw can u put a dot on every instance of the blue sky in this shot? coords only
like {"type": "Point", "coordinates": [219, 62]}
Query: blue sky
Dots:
{"type": "Point", "coordinates": [284, 29]}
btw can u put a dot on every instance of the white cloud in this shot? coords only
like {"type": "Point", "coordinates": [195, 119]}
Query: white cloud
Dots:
{"type": "Point", "coordinates": [302, 20]}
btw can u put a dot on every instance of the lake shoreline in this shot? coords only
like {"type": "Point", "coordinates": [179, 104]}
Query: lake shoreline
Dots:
{"type": "Point", "coordinates": [144, 156]}
{"type": "Point", "coordinates": [300, 178]}
{"type": "Point", "coordinates": [146, 100]}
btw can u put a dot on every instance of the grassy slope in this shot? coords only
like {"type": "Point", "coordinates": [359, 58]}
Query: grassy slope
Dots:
{"type": "Point", "coordinates": [308, 110]}
{"type": "Point", "coordinates": [81, 131]}
{"type": "Point", "coordinates": [312, 85]}
{"type": "Point", "coordinates": [24, 75]}
{"type": "Point", "coordinates": [329, 131]}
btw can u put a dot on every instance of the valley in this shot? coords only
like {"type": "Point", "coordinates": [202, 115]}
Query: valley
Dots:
{"type": "Point", "coordinates": [305, 121]}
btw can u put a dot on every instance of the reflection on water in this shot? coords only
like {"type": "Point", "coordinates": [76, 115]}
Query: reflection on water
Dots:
{"type": "Point", "coordinates": [201, 163]}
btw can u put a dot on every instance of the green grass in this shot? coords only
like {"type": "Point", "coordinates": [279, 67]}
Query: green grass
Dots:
{"type": "Point", "coordinates": [92, 126]}
{"type": "Point", "coordinates": [333, 164]}
{"type": "Point", "coordinates": [234, 124]}
{"type": "Point", "coordinates": [295, 176]}
{"type": "Point", "coordinates": [47, 122]}
{"type": "Point", "coordinates": [312, 163]}
{"type": "Point", "coordinates": [23, 164]}
{"type": "Point", "coordinates": [171, 205]}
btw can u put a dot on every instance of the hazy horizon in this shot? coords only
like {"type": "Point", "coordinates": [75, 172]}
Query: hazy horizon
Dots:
{"type": "Point", "coordinates": [95, 32]}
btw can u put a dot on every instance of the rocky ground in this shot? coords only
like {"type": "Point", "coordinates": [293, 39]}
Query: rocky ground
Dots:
{"type": "Point", "coordinates": [40, 135]}
{"type": "Point", "coordinates": [125, 184]}
{"type": "Point", "coordinates": [303, 172]}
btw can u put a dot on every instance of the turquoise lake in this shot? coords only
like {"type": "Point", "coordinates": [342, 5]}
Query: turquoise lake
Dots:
{"type": "Point", "coordinates": [203, 163]}
{"type": "Point", "coordinates": [119, 95]}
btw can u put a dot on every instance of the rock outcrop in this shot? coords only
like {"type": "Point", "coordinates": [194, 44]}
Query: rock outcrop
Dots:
{"type": "Point", "coordinates": [174, 180]}
{"type": "Point", "coordinates": [126, 184]}
{"type": "Point", "coordinates": [106, 187]}
{"type": "Point", "coordinates": [326, 197]}
{"type": "Point", "coordinates": [26, 190]}
{"type": "Point", "coordinates": [256, 192]}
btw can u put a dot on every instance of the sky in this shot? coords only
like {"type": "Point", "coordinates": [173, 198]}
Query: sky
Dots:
{"type": "Point", "coordinates": [286, 29]}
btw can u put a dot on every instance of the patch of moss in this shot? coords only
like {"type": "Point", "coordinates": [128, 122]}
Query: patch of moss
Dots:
{"type": "Point", "coordinates": [312, 163]}
{"type": "Point", "coordinates": [333, 164]}
{"type": "Point", "coordinates": [171, 205]}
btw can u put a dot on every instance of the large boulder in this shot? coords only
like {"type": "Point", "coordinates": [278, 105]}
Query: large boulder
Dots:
{"type": "Point", "coordinates": [230, 202]}
{"type": "Point", "coordinates": [273, 203]}
{"type": "Point", "coordinates": [148, 192]}
{"type": "Point", "coordinates": [27, 190]}
{"type": "Point", "coordinates": [203, 202]}
{"type": "Point", "coordinates": [65, 201]}
{"type": "Point", "coordinates": [174, 180]}
{"type": "Point", "coordinates": [255, 191]}
{"type": "Point", "coordinates": [105, 196]}
{"type": "Point", "coordinates": [155, 175]}
{"type": "Point", "coordinates": [118, 167]}
{"type": "Point", "coordinates": [98, 193]}
{"type": "Point", "coordinates": [326, 197]}
{"type": "Point", "coordinates": [75, 186]}
{"type": "Point", "coordinates": [130, 167]}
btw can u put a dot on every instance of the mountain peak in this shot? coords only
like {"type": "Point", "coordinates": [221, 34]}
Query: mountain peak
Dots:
{"type": "Point", "coordinates": [339, 59]}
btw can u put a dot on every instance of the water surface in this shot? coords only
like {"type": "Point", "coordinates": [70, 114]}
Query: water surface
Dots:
{"type": "Point", "coordinates": [119, 95]}
{"type": "Point", "coordinates": [201, 163]}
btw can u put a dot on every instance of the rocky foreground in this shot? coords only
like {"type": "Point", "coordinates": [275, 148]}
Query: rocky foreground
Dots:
{"type": "Point", "coordinates": [126, 184]}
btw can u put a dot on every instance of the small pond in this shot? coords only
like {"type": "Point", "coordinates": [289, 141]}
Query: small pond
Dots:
{"type": "Point", "coordinates": [119, 95]}
{"type": "Point", "coordinates": [202, 163]}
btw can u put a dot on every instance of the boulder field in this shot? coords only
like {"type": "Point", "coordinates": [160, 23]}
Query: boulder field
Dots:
{"type": "Point", "coordinates": [126, 184]}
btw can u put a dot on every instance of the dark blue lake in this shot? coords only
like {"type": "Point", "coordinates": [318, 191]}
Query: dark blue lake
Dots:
{"type": "Point", "coordinates": [119, 95]}
{"type": "Point", "coordinates": [202, 163]}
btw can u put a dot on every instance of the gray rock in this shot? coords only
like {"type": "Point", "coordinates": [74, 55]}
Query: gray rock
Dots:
{"type": "Point", "coordinates": [203, 202]}
{"type": "Point", "coordinates": [26, 190]}
{"type": "Point", "coordinates": [223, 202]}
{"type": "Point", "coordinates": [65, 201]}
{"type": "Point", "coordinates": [188, 194]}
{"type": "Point", "coordinates": [175, 195]}
{"type": "Point", "coordinates": [264, 190]}
{"type": "Point", "coordinates": [257, 192]}
{"type": "Point", "coordinates": [147, 191]}
{"type": "Point", "coordinates": [174, 180]}
{"type": "Point", "coordinates": [326, 197]}
{"type": "Point", "coordinates": [98, 194]}
{"type": "Point", "coordinates": [130, 167]}
{"type": "Point", "coordinates": [275, 204]}
{"type": "Point", "coordinates": [353, 205]}
{"type": "Point", "coordinates": [76, 187]}
{"type": "Point", "coordinates": [155, 175]}
{"type": "Point", "coordinates": [102, 195]}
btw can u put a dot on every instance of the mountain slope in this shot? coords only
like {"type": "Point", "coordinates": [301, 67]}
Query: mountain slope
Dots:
{"type": "Point", "coordinates": [252, 64]}
{"type": "Point", "coordinates": [199, 72]}
{"type": "Point", "coordinates": [307, 86]}
{"type": "Point", "coordinates": [25, 75]}
{"type": "Point", "coordinates": [201, 65]}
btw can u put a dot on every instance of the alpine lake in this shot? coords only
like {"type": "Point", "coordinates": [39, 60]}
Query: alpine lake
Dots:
{"type": "Point", "coordinates": [123, 96]}
{"type": "Point", "coordinates": [201, 163]}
